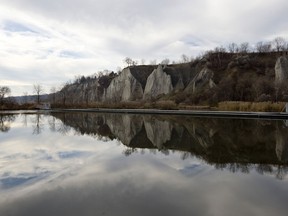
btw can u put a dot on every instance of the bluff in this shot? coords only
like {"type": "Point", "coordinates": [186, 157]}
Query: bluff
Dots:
{"type": "Point", "coordinates": [157, 83]}
{"type": "Point", "coordinates": [212, 78]}
{"type": "Point", "coordinates": [128, 85]}
{"type": "Point", "coordinates": [79, 93]}
{"type": "Point", "coordinates": [124, 87]}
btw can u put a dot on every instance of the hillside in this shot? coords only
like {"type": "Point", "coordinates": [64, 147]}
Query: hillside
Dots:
{"type": "Point", "coordinates": [215, 77]}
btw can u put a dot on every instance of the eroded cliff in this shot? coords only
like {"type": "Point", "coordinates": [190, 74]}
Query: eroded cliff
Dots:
{"type": "Point", "coordinates": [157, 83]}
{"type": "Point", "coordinates": [124, 87]}
{"type": "Point", "coordinates": [214, 78]}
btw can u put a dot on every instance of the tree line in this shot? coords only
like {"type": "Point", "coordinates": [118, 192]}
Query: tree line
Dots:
{"type": "Point", "coordinates": [278, 44]}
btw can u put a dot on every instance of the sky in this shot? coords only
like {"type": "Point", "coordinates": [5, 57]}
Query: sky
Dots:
{"type": "Point", "coordinates": [50, 42]}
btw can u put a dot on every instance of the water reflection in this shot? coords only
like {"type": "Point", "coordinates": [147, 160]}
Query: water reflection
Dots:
{"type": "Point", "coordinates": [237, 145]}
{"type": "Point", "coordinates": [5, 121]}
{"type": "Point", "coordinates": [114, 164]}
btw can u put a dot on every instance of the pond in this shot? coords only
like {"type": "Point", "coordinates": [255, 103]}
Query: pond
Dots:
{"type": "Point", "coordinates": [84, 163]}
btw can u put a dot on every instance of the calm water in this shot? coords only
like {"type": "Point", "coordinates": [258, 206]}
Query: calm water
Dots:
{"type": "Point", "coordinates": [115, 164]}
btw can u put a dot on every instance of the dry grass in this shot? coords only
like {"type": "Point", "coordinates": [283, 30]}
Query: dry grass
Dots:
{"type": "Point", "coordinates": [120, 105]}
{"type": "Point", "coordinates": [166, 105]}
{"type": "Point", "coordinates": [251, 106]}
{"type": "Point", "coordinates": [125, 105]}
{"type": "Point", "coordinates": [193, 107]}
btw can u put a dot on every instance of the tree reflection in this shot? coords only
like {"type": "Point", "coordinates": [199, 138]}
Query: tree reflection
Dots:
{"type": "Point", "coordinates": [38, 125]}
{"type": "Point", "coordinates": [129, 151]}
{"type": "Point", "coordinates": [5, 122]}
{"type": "Point", "coordinates": [281, 171]}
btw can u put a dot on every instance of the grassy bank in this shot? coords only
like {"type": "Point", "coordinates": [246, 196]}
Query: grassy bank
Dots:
{"type": "Point", "coordinates": [251, 106]}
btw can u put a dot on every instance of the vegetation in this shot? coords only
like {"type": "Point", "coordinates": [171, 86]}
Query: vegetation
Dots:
{"type": "Point", "coordinates": [4, 91]}
{"type": "Point", "coordinates": [251, 106]}
{"type": "Point", "coordinates": [38, 90]}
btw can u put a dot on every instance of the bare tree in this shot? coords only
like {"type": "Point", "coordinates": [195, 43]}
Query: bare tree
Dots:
{"type": "Point", "coordinates": [279, 44]}
{"type": "Point", "coordinates": [38, 90]}
{"type": "Point", "coordinates": [134, 62]}
{"type": "Point", "coordinates": [165, 61]}
{"type": "Point", "coordinates": [244, 47]}
{"type": "Point", "coordinates": [233, 48]}
{"type": "Point", "coordinates": [4, 91]}
{"type": "Point", "coordinates": [128, 61]}
{"type": "Point", "coordinates": [184, 58]}
{"type": "Point", "coordinates": [263, 47]}
{"type": "Point", "coordinates": [219, 50]}
{"type": "Point", "coordinates": [267, 47]}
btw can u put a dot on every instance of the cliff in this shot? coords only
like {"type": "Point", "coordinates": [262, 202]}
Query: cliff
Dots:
{"type": "Point", "coordinates": [124, 87]}
{"type": "Point", "coordinates": [213, 78]}
{"type": "Point", "coordinates": [157, 83]}
{"type": "Point", "coordinates": [78, 93]}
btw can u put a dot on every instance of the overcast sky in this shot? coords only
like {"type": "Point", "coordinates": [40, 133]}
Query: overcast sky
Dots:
{"type": "Point", "coordinates": [49, 42]}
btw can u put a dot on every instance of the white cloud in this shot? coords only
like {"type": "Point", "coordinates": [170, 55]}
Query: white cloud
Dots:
{"type": "Point", "coordinates": [62, 38]}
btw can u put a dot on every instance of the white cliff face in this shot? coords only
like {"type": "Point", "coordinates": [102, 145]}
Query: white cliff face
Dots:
{"type": "Point", "coordinates": [158, 83]}
{"type": "Point", "coordinates": [81, 93]}
{"type": "Point", "coordinates": [281, 70]}
{"type": "Point", "coordinates": [125, 87]}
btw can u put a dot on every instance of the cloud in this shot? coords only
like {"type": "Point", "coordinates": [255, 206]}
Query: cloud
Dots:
{"type": "Point", "coordinates": [105, 32]}
{"type": "Point", "coordinates": [12, 26]}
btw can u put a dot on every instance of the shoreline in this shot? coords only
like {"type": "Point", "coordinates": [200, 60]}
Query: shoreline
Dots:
{"type": "Point", "coordinates": [195, 113]}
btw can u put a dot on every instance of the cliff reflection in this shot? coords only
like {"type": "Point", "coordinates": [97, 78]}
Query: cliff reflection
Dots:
{"type": "Point", "coordinates": [234, 144]}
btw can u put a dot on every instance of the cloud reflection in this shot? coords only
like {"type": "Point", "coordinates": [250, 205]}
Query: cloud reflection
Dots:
{"type": "Point", "coordinates": [72, 173]}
